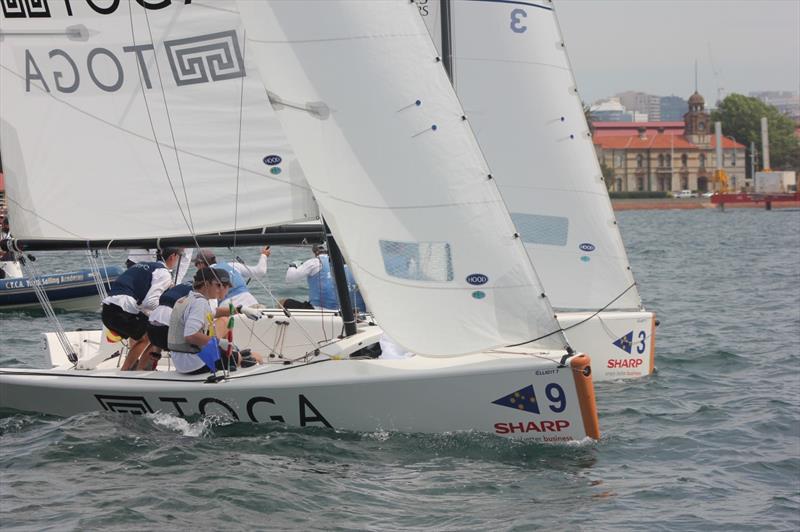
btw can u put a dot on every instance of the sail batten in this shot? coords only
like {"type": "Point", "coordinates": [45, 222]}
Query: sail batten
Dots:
{"type": "Point", "coordinates": [151, 126]}
{"type": "Point", "coordinates": [398, 175]}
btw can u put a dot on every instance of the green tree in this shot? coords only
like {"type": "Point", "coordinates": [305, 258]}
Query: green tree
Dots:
{"type": "Point", "coordinates": [608, 175]}
{"type": "Point", "coordinates": [741, 119]}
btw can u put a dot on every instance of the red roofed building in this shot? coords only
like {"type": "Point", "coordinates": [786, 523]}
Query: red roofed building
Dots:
{"type": "Point", "coordinates": [667, 156]}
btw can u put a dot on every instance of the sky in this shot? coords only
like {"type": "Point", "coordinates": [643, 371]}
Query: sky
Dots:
{"type": "Point", "coordinates": [651, 46]}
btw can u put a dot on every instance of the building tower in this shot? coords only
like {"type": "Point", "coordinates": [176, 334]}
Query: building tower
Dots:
{"type": "Point", "coordinates": [697, 122]}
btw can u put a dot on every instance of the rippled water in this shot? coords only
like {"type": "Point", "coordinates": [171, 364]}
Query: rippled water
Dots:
{"type": "Point", "coordinates": [712, 441]}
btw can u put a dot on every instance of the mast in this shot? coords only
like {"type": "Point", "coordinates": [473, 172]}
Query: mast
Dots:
{"type": "Point", "coordinates": [337, 265]}
{"type": "Point", "coordinates": [447, 38]}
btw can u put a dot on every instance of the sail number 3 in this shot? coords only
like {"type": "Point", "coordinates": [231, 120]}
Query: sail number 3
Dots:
{"type": "Point", "coordinates": [516, 20]}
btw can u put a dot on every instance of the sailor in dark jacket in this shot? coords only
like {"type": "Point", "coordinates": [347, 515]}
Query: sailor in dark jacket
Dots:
{"type": "Point", "coordinates": [132, 297]}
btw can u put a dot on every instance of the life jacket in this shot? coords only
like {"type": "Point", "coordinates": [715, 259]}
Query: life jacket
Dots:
{"type": "Point", "coordinates": [321, 287]}
{"type": "Point", "coordinates": [176, 341]}
{"type": "Point", "coordinates": [136, 280]}
{"type": "Point", "coordinates": [238, 284]}
{"type": "Point", "coordinates": [355, 293]}
{"type": "Point", "coordinates": [171, 295]}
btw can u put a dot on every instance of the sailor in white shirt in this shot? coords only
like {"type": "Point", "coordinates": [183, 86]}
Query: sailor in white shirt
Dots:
{"type": "Point", "coordinates": [239, 273]}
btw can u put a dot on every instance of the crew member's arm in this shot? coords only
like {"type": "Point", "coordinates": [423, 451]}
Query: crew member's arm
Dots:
{"type": "Point", "coordinates": [162, 279]}
{"type": "Point", "coordinates": [309, 267]}
{"type": "Point", "coordinates": [259, 270]}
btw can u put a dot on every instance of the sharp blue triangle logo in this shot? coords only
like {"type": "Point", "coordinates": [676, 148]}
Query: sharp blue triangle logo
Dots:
{"type": "Point", "coordinates": [625, 342]}
{"type": "Point", "coordinates": [524, 399]}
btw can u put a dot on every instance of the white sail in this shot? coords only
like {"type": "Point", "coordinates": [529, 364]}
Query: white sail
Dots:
{"type": "Point", "coordinates": [515, 82]}
{"type": "Point", "coordinates": [398, 174]}
{"type": "Point", "coordinates": [129, 120]}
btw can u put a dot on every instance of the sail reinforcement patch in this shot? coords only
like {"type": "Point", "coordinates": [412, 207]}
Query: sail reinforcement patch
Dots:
{"type": "Point", "coordinates": [541, 229]}
{"type": "Point", "coordinates": [418, 261]}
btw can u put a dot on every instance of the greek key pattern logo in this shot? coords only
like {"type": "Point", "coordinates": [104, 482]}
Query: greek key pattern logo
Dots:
{"type": "Point", "coordinates": [205, 58]}
{"type": "Point", "coordinates": [25, 8]}
{"type": "Point", "coordinates": [125, 404]}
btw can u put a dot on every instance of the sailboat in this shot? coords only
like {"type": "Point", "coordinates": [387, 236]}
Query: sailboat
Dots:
{"type": "Point", "coordinates": [512, 74]}
{"type": "Point", "coordinates": [72, 290]}
{"type": "Point", "coordinates": [159, 107]}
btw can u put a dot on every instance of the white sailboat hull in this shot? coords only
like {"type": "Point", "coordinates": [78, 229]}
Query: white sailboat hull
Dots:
{"type": "Point", "coordinates": [416, 394]}
{"type": "Point", "coordinates": [621, 343]}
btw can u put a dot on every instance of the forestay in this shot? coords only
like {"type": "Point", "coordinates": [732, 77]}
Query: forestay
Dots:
{"type": "Point", "coordinates": [514, 79]}
{"type": "Point", "coordinates": [398, 174]}
{"type": "Point", "coordinates": [121, 120]}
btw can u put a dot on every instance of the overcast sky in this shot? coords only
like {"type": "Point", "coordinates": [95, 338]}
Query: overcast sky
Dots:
{"type": "Point", "coordinates": [651, 45]}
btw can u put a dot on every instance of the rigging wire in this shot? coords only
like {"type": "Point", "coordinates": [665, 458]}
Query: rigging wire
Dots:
{"type": "Point", "coordinates": [97, 274]}
{"type": "Point", "coordinates": [564, 329]}
{"type": "Point", "coordinates": [34, 280]}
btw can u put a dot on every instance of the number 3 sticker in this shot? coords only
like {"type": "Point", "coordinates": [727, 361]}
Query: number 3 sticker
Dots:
{"type": "Point", "coordinates": [641, 346]}
{"type": "Point", "coordinates": [516, 21]}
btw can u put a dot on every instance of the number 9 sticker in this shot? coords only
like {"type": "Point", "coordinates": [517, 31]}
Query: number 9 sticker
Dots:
{"type": "Point", "coordinates": [516, 21]}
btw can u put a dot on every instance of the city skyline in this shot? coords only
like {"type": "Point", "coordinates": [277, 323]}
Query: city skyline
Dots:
{"type": "Point", "coordinates": [615, 46]}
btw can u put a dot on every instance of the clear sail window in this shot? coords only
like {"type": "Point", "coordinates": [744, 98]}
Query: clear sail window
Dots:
{"type": "Point", "coordinates": [418, 261]}
{"type": "Point", "coordinates": [541, 229]}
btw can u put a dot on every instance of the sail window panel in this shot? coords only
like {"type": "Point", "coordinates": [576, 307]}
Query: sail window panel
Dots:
{"type": "Point", "coordinates": [418, 261]}
{"type": "Point", "coordinates": [542, 229]}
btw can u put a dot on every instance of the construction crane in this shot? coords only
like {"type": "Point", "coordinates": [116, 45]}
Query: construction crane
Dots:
{"type": "Point", "coordinates": [720, 89]}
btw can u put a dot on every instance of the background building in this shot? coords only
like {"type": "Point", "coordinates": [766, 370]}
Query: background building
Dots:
{"type": "Point", "coordinates": [642, 103]}
{"type": "Point", "coordinates": [668, 156]}
{"type": "Point", "coordinates": [787, 102]}
{"type": "Point", "coordinates": [673, 108]}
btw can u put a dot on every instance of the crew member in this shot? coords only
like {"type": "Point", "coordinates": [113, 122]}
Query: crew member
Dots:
{"type": "Point", "coordinates": [191, 322]}
{"type": "Point", "coordinates": [133, 295]}
{"type": "Point", "coordinates": [239, 273]}
{"type": "Point", "coordinates": [321, 285]}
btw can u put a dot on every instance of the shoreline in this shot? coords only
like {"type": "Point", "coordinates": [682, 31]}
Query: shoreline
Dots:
{"type": "Point", "coordinates": [645, 204]}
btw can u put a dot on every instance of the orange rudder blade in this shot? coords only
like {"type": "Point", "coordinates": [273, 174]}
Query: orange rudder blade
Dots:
{"type": "Point", "coordinates": [582, 373]}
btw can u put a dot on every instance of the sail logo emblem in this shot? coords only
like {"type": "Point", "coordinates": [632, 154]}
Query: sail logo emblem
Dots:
{"type": "Point", "coordinates": [124, 404]}
{"type": "Point", "coordinates": [522, 399]}
{"type": "Point", "coordinates": [204, 58]}
{"type": "Point", "coordinates": [41, 9]}
{"type": "Point", "coordinates": [586, 246]}
{"type": "Point", "coordinates": [192, 60]}
{"type": "Point", "coordinates": [477, 279]}
{"type": "Point", "coordinates": [272, 160]}
{"type": "Point", "coordinates": [25, 8]}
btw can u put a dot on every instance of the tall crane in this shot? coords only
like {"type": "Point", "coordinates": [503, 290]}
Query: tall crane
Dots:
{"type": "Point", "coordinates": [720, 89]}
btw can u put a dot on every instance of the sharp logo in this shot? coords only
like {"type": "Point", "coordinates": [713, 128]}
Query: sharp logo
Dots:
{"type": "Point", "coordinates": [41, 8]}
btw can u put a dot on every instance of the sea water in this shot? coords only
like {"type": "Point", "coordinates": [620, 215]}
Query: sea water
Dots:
{"type": "Point", "coordinates": [712, 441]}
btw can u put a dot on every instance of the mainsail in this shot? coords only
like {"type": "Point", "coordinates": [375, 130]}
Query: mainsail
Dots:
{"type": "Point", "coordinates": [513, 77]}
{"type": "Point", "coordinates": [398, 174]}
{"type": "Point", "coordinates": [139, 120]}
